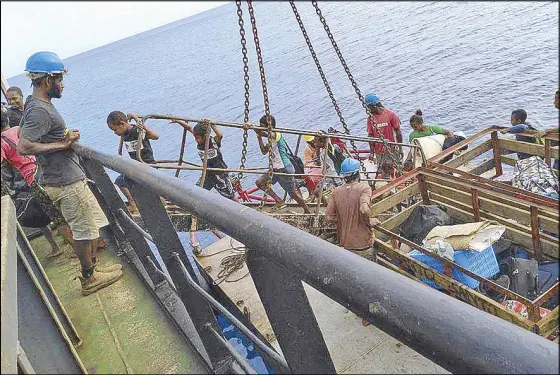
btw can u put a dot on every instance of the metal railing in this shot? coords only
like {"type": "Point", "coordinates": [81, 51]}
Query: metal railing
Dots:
{"type": "Point", "coordinates": [453, 334]}
{"type": "Point", "coordinates": [270, 354]}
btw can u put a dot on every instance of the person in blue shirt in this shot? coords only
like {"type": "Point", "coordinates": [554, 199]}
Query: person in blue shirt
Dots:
{"type": "Point", "coordinates": [519, 124]}
{"type": "Point", "coordinates": [280, 163]}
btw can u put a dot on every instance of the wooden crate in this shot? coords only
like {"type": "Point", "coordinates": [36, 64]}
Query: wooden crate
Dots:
{"type": "Point", "coordinates": [524, 214]}
{"type": "Point", "coordinates": [489, 140]}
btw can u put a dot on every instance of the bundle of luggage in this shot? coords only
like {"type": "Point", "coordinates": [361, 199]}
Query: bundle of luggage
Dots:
{"type": "Point", "coordinates": [479, 248]}
{"type": "Point", "coordinates": [534, 175]}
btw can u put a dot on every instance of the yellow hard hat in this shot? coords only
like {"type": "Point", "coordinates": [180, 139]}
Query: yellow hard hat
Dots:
{"type": "Point", "coordinates": [308, 138]}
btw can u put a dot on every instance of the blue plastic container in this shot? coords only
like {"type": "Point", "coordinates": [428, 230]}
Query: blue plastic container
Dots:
{"type": "Point", "coordinates": [483, 263]}
{"type": "Point", "coordinates": [430, 262]}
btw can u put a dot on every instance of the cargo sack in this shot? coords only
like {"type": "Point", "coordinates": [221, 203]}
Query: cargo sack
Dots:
{"type": "Point", "coordinates": [534, 175]}
{"type": "Point", "coordinates": [430, 145]}
{"type": "Point", "coordinates": [28, 211]}
{"type": "Point", "coordinates": [524, 276]}
{"type": "Point", "coordinates": [521, 309]}
{"type": "Point", "coordinates": [470, 236]}
{"type": "Point", "coordinates": [422, 220]}
{"type": "Point", "coordinates": [452, 141]}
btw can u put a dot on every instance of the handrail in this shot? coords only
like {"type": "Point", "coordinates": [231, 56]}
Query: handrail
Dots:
{"type": "Point", "coordinates": [276, 129]}
{"type": "Point", "coordinates": [455, 335]}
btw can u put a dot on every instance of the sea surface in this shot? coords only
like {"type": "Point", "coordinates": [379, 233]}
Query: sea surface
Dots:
{"type": "Point", "coordinates": [467, 65]}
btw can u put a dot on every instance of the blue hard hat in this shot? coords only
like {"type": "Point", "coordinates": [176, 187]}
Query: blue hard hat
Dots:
{"type": "Point", "coordinates": [45, 62]}
{"type": "Point", "coordinates": [349, 166]}
{"type": "Point", "coordinates": [371, 98]}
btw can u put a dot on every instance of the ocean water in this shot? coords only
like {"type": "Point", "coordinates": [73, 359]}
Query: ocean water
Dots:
{"type": "Point", "coordinates": [467, 65]}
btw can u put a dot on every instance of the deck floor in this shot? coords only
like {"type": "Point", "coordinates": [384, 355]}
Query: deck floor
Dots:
{"type": "Point", "coordinates": [135, 336]}
{"type": "Point", "coordinates": [353, 347]}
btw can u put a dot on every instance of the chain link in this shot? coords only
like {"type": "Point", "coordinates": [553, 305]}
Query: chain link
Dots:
{"type": "Point", "coordinates": [265, 96]}
{"type": "Point", "coordinates": [397, 160]}
{"type": "Point", "coordinates": [246, 86]}
{"type": "Point", "coordinates": [325, 82]}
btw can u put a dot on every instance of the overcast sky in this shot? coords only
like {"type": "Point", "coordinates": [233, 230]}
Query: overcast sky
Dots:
{"type": "Point", "coordinates": [69, 28]}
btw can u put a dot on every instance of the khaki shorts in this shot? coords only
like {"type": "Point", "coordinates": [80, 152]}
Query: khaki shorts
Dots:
{"type": "Point", "coordinates": [80, 209]}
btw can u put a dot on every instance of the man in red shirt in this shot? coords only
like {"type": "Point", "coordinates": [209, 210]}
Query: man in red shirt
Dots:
{"type": "Point", "coordinates": [389, 125]}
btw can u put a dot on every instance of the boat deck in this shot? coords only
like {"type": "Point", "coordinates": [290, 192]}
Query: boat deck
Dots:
{"type": "Point", "coordinates": [353, 347]}
{"type": "Point", "coordinates": [122, 327]}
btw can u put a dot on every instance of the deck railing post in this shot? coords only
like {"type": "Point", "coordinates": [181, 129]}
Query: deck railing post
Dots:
{"type": "Point", "coordinates": [548, 152]}
{"type": "Point", "coordinates": [170, 247]}
{"type": "Point", "coordinates": [290, 316]}
{"type": "Point", "coordinates": [497, 153]}
{"type": "Point", "coordinates": [423, 189]}
{"type": "Point", "coordinates": [535, 233]}
{"type": "Point", "coordinates": [111, 202]}
{"type": "Point", "coordinates": [475, 204]}
{"type": "Point", "coordinates": [159, 225]}
{"type": "Point", "coordinates": [182, 152]}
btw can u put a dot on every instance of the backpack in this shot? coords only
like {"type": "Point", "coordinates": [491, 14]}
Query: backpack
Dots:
{"type": "Point", "coordinates": [295, 160]}
{"type": "Point", "coordinates": [536, 140]}
{"type": "Point", "coordinates": [524, 276]}
{"type": "Point", "coordinates": [336, 154]}
{"type": "Point", "coordinates": [29, 212]}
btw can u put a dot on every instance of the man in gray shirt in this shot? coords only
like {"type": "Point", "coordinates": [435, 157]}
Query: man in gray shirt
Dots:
{"type": "Point", "coordinates": [44, 134]}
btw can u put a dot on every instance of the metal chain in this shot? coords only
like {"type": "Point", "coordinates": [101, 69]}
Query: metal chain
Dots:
{"type": "Point", "coordinates": [397, 160]}
{"type": "Point", "coordinates": [325, 82]}
{"type": "Point", "coordinates": [265, 95]}
{"type": "Point", "coordinates": [247, 91]}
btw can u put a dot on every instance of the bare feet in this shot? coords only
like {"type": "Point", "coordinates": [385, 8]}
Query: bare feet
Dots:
{"type": "Point", "coordinates": [277, 206]}
{"type": "Point", "coordinates": [101, 243]}
{"type": "Point", "coordinates": [132, 209]}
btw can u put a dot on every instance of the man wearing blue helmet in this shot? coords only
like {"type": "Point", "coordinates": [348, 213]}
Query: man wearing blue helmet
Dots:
{"type": "Point", "coordinates": [44, 133]}
{"type": "Point", "coordinates": [349, 209]}
{"type": "Point", "coordinates": [389, 127]}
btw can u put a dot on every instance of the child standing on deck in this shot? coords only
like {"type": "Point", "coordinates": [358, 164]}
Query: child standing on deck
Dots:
{"type": "Point", "coordinates": [520, 124]}
{"type": "Point", "coordinates": [214, 179]}
{"type": "Point", "coordinates": [280, 163]}
{"type": "Point", "coordinates": [119, 123]}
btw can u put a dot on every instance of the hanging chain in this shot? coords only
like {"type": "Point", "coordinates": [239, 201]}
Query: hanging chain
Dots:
{"type": "Point", "coordinates": [325, 82]}
{"type": "Point", "coordinates": [386, 146]}
{"type": "Point", "coordinates": [246, 78]}
{"type": "Point", "coordinates": [266, 102]}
